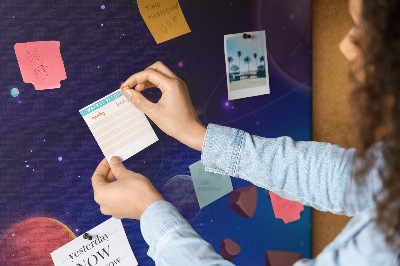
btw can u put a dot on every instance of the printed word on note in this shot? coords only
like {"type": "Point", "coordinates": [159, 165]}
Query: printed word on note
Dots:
{"type": "Point", "coordinates": [164, 18]}
{"type": "Point", "coordinates": [41, 64]}
{"type": "Point", "coordinates": [118, 126]}
{"type": "Point", "coordinates": [110, 247]}
{"type": "Point", "coordinates": [209, 186]}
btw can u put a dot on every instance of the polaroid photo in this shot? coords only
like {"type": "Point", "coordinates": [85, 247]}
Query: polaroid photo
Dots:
{"type": "Point", "coordinates": [246, 64]}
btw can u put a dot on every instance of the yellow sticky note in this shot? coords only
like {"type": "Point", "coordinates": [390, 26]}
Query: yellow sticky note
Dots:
{"type": "Point", "coordinates": [164, 18]}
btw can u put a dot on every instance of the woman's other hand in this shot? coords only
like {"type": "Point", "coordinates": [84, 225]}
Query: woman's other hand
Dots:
{"type": "Point", "coordinates": [127, 197]}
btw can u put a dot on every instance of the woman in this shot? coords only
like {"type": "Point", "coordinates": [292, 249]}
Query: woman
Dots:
{"type": "Point", "coordinates": [360, 182]}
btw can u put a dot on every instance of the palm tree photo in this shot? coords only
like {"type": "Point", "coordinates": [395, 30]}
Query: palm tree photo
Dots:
{"type": "Point", "coordinates": [230, 60]}
{"type": "Point", "coordinates": [255, 57]}
{"type": "Point", "coordinates": [262, 59]}
{"type": "Point", "coordinates": [247, 60]}
{"type": "Point", "coordinates": [239, 54]}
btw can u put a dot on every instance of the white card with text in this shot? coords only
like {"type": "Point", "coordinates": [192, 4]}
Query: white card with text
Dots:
{"type": "Point", "coordinates": [108, 247]}
{"type": "Point", "coordinates": [118, 126]}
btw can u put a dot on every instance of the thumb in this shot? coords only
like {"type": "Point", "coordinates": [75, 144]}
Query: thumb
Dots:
{"type": "Point", "coordinates": [138, 100]}
{"type": "Point", "coordinates": [117, 167]}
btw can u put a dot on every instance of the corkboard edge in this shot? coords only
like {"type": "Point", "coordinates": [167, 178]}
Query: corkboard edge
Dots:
{"type": "Point", "coordinates": [331, 88]}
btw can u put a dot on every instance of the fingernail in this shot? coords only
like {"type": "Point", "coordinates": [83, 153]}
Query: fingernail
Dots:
{"type": "Point", "coordinates": [127, 93]}
{"type": "Point", "coordinates": [115, 160]}
{"type": "Point", "coordinates": [125, 87]}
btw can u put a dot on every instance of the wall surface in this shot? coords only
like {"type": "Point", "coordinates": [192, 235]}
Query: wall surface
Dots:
{"type": "Point", "coordinates": [331, 89]}
{"type": "Point", "coordinates": [48, 153]}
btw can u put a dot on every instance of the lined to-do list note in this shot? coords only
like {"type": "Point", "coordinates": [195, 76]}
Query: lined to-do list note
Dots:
{"type": "Point", "coordinates": [118, 126]}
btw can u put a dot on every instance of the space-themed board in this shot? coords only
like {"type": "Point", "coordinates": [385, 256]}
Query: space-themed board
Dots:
{"type": "Point", "coordinates": [48, 154]}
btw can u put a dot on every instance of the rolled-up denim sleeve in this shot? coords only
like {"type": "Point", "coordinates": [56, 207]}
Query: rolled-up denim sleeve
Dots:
{"type": "Point", "coordinates": [313, 173]}
{"type": "Point", "coordinates": [172, 241]}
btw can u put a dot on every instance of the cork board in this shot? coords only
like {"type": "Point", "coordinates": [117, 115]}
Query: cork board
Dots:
{"type": "Point", "coordinates": [331, 89]}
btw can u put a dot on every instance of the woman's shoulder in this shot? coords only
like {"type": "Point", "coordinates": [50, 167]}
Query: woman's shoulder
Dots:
{"type": "Point", "coordinates": [362, 239]}
{"type": "Point", "coordinates": [375, 241]}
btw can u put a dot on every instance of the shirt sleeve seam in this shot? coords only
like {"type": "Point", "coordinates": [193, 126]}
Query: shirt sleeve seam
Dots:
{"type": "Point", "coordinates": [238, 152]}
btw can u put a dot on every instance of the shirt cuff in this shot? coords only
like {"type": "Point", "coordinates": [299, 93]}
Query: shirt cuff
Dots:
{"type": "Point", "coordinates": [159, 218]}
{"type": "Point", "coordinates": [221, 149]}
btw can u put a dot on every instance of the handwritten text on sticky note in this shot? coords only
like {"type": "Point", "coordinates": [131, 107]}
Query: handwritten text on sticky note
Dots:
{"type": "Point", "coordinates": [164, 18]}
{"type": "Point", "coordinates": [284, 209]}
{"type": "Point", "coordinates": [209, 186]}
{"type": "Point", "coordinates": [109, 246]}
{"type": "Point", "coordinates": [41, 63]}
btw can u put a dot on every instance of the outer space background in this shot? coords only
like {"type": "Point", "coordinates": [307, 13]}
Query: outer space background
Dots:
{"type": "Point", "coordinates": [48, 154]}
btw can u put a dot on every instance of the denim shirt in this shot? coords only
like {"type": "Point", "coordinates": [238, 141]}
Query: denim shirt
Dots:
{"type": "Point", "coordinates": [312, 173]}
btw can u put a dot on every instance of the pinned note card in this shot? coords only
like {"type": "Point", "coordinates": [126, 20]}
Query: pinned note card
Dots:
{"type": "Point", "coordinates": [108, 245]}
{"type": "Point", "coordinates": [164, 18]}
{"type": "Point", "coordinates": [209, 186]}
{"type": "Point", "coordinates": [41, 64]}
{"type": "Point", "coordinates": [284, 209]}
{"type": "Point", "coordinates": [118, 126]}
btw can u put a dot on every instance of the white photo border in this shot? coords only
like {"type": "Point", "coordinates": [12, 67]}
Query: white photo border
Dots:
{"type": "Point", "coordinates": [248, 92]}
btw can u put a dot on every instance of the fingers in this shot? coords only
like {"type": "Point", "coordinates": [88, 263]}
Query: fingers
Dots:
{"type": "Point", "coordinates": [156, 75]}
{"type": "Point", "coordinates": [160, 67]}
{"type": "Point", "coordinates": [117, 167]}
{"type": "Point", "coordinates": [100, 174]}
{"type": "Point", "coordinates": [143, 86]}
{"type": "Point", "coordinates": [110, 177]}
{"type": "Point", "coordinates": [104, 210]}
{"type": "Point", "coordinates": [149, 75]}
{"type": "Point", "coordinates": [139, 101]}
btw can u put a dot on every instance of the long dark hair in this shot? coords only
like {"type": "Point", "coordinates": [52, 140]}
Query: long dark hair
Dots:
{"type": "Point", "coordinates": [375, 103]}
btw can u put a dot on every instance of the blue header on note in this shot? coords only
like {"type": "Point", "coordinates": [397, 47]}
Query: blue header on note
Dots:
{"type": "Point", "coordinates": [100, 103]}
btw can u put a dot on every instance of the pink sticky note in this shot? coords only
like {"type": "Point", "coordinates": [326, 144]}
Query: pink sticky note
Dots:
{"type": "Point", "coordinates": [41, 64]}
{"type": "Point", "coordinates": [286, 210]}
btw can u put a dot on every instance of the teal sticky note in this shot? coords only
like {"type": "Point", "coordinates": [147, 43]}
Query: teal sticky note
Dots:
{"type": "Point", "coordinates": [209, 186]}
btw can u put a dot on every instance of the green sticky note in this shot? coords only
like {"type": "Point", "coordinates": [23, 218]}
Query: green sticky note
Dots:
{"type": "Point", "coordinates": [209, 186]}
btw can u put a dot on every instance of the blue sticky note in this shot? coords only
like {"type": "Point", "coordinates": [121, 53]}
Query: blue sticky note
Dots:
{"type": "Point", "coordinates": [209, 186]}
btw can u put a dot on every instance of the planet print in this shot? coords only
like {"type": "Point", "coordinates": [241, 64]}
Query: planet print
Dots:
{"type": "Point", "coordinates": [179, 191]}
{"type": "Point", "coordinates": [31, 242]}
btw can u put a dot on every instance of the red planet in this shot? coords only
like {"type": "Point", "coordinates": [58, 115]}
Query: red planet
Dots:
{"type": "Point", "coordinates": [31, 242]}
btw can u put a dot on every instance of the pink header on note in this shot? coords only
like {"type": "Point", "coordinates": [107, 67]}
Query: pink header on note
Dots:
{"type": "Point", "coordinates": [41, 63]}
{"type": "Point", "coordinates": [284, 209]}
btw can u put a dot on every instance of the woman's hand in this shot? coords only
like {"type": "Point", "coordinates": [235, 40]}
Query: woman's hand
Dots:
{"type": "Point", "coordinates": [174, 113]}
{"type": "Point", "coordinates": [127, 197]}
